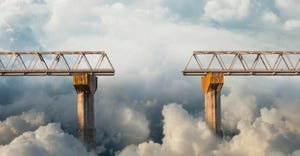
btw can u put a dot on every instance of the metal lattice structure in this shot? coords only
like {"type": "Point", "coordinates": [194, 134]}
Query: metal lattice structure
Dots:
{"type": "Point", "coordinates": [61, 63]}
{"type": "Point", "coordinates": [264, 63]}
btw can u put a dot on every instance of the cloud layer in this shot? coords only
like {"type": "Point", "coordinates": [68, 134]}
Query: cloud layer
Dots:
{"type": "Point", "coordinates": [149, 43]}
{"type": "Point", "coordinates": [268, 134]}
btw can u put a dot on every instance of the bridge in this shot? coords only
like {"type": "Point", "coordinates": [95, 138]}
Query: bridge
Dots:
{"type": "Point", "coordinates": [84, 66]}
{"type": "Point", "coordinates": [214, 65]}
{"type": "Point", "coordinates": [62, 63]}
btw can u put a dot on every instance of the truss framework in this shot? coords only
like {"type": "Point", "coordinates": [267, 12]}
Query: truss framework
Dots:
{"type": "Point", "coordinates": [52, 63]}
{"type": "Point", "coordinates": [260, 63]}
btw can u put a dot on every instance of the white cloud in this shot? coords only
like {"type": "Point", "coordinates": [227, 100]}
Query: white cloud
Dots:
{"type": "Point", "coordinates": [292, 24]}
{"type": "Point", "coordinates": [21, 22]}
{"type": "Point", "coordinates": [290, 11]}
{"type": "Point", "coordinates": [222, 11]}
{"type": "Point", "coordinates": [133, 126]}
{"type": "Point", "coordinates": [289, 8]}
{"type": "Point", "coordinates": [47, 140]}
{"type": "Point", "coordinates": [15, 125]}
{"type": "Point", "coordinates": [270, 17]}
{"type": "Point", "coordinates": [244, 106]}
{"type": "Point", "coordinates": [268, 133]}
{"type": "Point", "coordinates": [117, 124]}
{"type": "Point", "coordinates": [185, 135]}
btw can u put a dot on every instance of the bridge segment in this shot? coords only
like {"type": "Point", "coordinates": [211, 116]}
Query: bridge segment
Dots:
{"type": "Point", "coordinates": [214, 65]}
{"type": "Point", "coordinates": [84, 66]}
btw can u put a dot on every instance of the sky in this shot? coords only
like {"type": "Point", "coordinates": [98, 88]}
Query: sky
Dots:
{"type": "Point", "coordinates": [149, 107]}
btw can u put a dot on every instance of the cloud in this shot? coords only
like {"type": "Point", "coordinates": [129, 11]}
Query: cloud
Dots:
{"type": "Point", "coordinates": [49, 98]}
{"type": "Point", "coordinates": [288, 8]}
{"type": "Point", "coordinates": [47, 140]}
{"type": "Point", "coordinates": [182, 10]}
{"type": "Point", "coordinates": [184, 135]}
{"type": "Point", "coordinates": [21, 23]}
{"type": "Point", "coordinates": [133, 125]}
{"type": "Point", "coordinates": [121, 126]}
{"type": "Point", "coordinates": [292, 24]}
{"type": "Point", "coordinates": [270, 17]}
{"type": "Point", "coordinates": [268, 133]}
{"type": "Point", "coordinates": [118, 123]}
{"type": "Point", "coordinates": [15, 125]}
{"type": "Point", "coordinates": [245, 106]}
{"type": "Point", "coordinates": [223, 11]}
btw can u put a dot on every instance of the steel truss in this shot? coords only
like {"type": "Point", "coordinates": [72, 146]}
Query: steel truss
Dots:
{"type": "Point", "coordinates": [52, 63]}
{"type": "Point", "coordinates": [260, 63]}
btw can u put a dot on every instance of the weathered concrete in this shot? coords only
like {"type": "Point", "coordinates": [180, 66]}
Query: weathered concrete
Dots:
{"type": "Point", "coordinates": [86, 86]}
{"type": "Point", "coordinates": [212, 84]}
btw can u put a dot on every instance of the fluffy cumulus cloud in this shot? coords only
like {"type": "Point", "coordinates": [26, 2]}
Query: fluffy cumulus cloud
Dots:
{"type": "Point", "coordinates": [289, 9]}
{"type": "Point", "coordinates": [121, 126]}
{"type": "Point", "coordinates": [15, 125]}
{"type": "Point", "coordinates": [21, 23]}
{"type": "Point", "coordinates": [47, 140]}
{"type": "Point", "coordinates": [270, 17]}
{"type": "Point", "coordinates": [279, 15]}
{"type": "Point", "coordinates": [183, 135]}
{"type": "Point", "coordinates": [292, 24]}
{"type": "Point", "coordinates": [134, 125]}
{"type": "Point", "coordinates": [267, 134]}
{"type": "Point", "coordinates": [226, 10]}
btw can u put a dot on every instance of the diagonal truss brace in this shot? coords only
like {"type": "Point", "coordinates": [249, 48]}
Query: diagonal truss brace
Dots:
{"type": "Point", "coordinates": [47, 63]}
{"type": "Point", "coordinates": [286, 63]}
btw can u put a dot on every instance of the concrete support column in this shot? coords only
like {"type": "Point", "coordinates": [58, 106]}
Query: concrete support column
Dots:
{"type": "Point", "coordinates": [212, 84]}
{"type": "Point", "coordinates": [86, 86]}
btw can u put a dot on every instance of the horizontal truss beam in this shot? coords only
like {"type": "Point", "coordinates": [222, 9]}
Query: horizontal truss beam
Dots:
{"type": "Point", "coordinates": [55, 63]}
{"type": "Point", "coordinates": [244, 63]}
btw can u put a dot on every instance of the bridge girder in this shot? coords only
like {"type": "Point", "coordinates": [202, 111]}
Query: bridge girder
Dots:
{"type": "Point", "coordinates": [244, 63]}
{"type": "Point", "coordinates": [55, 63]}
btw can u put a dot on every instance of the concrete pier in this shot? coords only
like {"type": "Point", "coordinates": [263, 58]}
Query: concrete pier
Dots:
{"type": "Point", "coordinates": [85, 86]}
{"type": "Point", "coordinates": [212, 84]}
